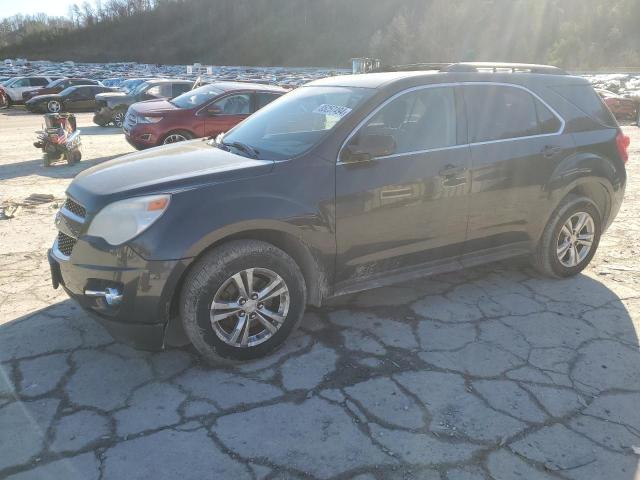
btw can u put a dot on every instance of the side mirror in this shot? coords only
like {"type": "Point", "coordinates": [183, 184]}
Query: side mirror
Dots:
{"type": "Point", "coordinates": [214, 110]}
{"type": "Point", "coordinates": [367, 147]}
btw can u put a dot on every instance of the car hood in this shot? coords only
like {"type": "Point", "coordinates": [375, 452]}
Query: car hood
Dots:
{"type": "Point", "coordinates": [154, 106]}
{"type": "Point", "coordinates": [116, 98]}
{"type": "Point", "coordinates": [162, 169]}
{"type": "Point", "coordinates": [44, 98]}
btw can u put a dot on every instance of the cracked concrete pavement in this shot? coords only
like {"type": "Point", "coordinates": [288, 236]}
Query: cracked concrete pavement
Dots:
{"type": "Point", "coordinates": [493, 372]}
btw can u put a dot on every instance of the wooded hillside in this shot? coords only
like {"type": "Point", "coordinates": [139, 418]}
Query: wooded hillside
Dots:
{"type": "Point", "coordinates": [576, 34]}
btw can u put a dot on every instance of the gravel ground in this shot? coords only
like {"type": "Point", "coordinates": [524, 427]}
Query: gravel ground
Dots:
{"type": "Point", "coordinates": [489, 373]}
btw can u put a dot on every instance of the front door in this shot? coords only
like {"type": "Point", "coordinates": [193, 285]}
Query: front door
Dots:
{"type": "Point", "coordinates": [407, 209]}
{"type": "Point", "coordinates": [225, 113]}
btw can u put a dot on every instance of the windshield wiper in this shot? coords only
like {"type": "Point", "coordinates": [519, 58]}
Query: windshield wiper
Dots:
{"type": "Point", "coordinates": [243, 147]}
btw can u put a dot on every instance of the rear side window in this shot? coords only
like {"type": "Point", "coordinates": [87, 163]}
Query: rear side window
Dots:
{"type": "Point", "coordinates": [586, 99]}
{"type": "Point", "coordinates": [39, 82]}
{"type": "Point", "coordinates": [420, 120]}
{"type": "Point", "coordinates": [500, 113]}
{"type": "Point", "coordinates": [180, 88]}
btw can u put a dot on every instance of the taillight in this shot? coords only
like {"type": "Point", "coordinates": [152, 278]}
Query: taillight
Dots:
{"type": "Point", "coordinates": [622, 141]}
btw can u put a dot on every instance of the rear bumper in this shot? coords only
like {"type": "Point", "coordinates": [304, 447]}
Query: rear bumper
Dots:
{"type": "Point", "coordinates": [147, 288]}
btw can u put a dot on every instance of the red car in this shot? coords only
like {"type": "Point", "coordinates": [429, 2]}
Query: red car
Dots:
{"type": "Point", "coordinates": [202, 112]}
{"type": "Point", "coordinates": [623, 108]}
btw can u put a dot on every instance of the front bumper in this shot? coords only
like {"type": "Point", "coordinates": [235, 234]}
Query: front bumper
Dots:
{"type": "Point", "coordinates": [140, 136]}
{"type": "Point", "coordinates": [103, 116]}
{"type": "Point", "coordinates": [147, 289]}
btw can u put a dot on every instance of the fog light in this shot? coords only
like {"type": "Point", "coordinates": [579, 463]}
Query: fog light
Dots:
{"type": "Point", "coordinates": [145, 137]}
{"type": "Point", "coordinates": [112, 296]}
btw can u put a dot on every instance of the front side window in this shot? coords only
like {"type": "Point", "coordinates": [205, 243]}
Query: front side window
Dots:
{"type": "Point", "coordinates": [22, 82]}
{"type": "Point", "coordinates": [420, 120]}
{"type": "Point", "coordinates": [234, 105]}
{"type": "Point", "coordinates": [297, 121]}
{"type": "Point", "coordinates": [500, 113]}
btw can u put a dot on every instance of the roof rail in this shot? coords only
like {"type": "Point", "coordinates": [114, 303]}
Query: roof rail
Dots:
{"type": "Point", "coordinates": [477, 67]}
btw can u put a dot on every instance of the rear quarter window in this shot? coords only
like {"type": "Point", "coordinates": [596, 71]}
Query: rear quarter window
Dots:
{"type": "Point", "coordinates": [588, 101]}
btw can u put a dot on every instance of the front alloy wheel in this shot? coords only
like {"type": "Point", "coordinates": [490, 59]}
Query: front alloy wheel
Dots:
{"type": "Point", "coordinates": [174, 138]}
{"type": "Point", "coordinates": [250, 307]}
{"type": "Point", "coordinates": [118, 119]}
{"type": "Point", "coordinates": [53, 106]}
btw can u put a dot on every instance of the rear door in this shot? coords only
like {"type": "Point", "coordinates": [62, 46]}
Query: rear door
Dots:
{"type": "Point", "coordinates": [516, 142]}
{"type": "Point", "coordinates": [224, 113]}
{"type": "Point", "coordinates": [407, 209]}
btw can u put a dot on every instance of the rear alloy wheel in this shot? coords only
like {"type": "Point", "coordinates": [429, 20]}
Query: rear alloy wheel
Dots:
{"type": "Point", "coordinates": [570, 239]}
{"type": "Point", "coordinates": [53, 106]}
{"type": "Point", "coordinates": [118, 119]}
{"type": "Point", "coordinates": [241, 301]}
{"type": "Point", "coordinates": [176, 137]}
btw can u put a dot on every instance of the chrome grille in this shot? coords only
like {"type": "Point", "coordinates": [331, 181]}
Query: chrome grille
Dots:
{"type": "Point", "coordinates": [75, 208]}
{"type": "Point", "coordinates": [65, 244]}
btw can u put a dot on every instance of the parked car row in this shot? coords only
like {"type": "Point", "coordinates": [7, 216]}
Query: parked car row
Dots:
{"type": "Point", "coordinates": [151, 111]}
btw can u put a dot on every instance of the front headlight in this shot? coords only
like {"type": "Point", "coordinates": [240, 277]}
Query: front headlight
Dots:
{"type": "Point", "coordinates": [142, 119]}
{"type": "Point", "coordinates": [120, 221]}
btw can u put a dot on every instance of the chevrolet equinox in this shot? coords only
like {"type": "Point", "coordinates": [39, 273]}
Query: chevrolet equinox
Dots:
{"type": "Point", "coordinates": [345, 184]}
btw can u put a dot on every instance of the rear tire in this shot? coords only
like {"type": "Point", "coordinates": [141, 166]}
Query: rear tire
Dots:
{"type": "Point", "coordinates": [570, 239]}
{"type": "Point", "coordinates": [228, 311]}
{"type": "Point", "coordinates": [118, 118]}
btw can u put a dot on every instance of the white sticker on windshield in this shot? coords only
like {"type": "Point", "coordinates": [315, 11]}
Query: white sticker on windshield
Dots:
{"type": "Point", "coordinates": [332, 110]}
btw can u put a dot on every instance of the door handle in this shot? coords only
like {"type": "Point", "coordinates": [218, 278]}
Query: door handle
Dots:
{"type": "Point", "coordinates": [451, 170]}
{"type": "Point", "coordinates": [550, 151]}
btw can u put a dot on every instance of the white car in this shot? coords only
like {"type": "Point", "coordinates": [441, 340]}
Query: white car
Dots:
{"type": "Point", "coordinates": [18, 85]}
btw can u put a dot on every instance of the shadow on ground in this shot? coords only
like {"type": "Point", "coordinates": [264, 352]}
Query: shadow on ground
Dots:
{"type": "Point", "coordinates": [489, 373]}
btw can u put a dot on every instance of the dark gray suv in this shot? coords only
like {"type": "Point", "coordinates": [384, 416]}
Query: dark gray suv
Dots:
{"type": "Point", "coordinates": [348, 183]}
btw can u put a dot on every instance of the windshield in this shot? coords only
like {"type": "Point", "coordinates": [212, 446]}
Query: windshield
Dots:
{"type": "Point", "coordinates": [129, 86]}
{"type": "Point", "coordinates": [195, 98]}
{"type": "Point", "coordinates": [297, 121]}
{"type": "Point", "coordinates": [139, 88]}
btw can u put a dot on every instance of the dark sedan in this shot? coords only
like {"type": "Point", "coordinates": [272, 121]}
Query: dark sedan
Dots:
{"type": "Point", "coordinates": [58, 86]}
{"type": "Point", "coordinates": [73, 99]}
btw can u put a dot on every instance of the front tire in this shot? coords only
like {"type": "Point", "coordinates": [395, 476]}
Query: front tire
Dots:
{"type": "Point", "coordinates": [176, 136]}
{"type": "Point", "coordinates": [118, 118]}
{"type": "Point", "coordinates": [241, 301]}
{"type": "Point", "coordinates": [570, 239]}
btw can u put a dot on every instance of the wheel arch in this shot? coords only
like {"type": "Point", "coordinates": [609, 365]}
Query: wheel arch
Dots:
{"type": "Point", "coordinates": [313, 271]}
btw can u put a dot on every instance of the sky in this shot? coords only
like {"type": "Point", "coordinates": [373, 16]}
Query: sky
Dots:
{"type": "Point", "coordinates": [58, 8]}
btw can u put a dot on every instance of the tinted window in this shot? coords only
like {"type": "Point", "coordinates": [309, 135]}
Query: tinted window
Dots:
{"type": "Point", "coordinates": [264, 98]}
{"type": "Point", "coordinates": [235, 104]}
{"type": "Point", "coordinates": [23, 82]}
{"type": "Point", "coordinates": [498, 113]}
{"type": "Point", "coordinates": [586, 99]}
{"type": "Point", "coordinates": [421, 120]}
{"type": "Point", "coordinates": [549, 123]}
{"type": "Point", "coordinates": [39, 82]}
{"type": "Point", "coordinates": [180, 88]}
